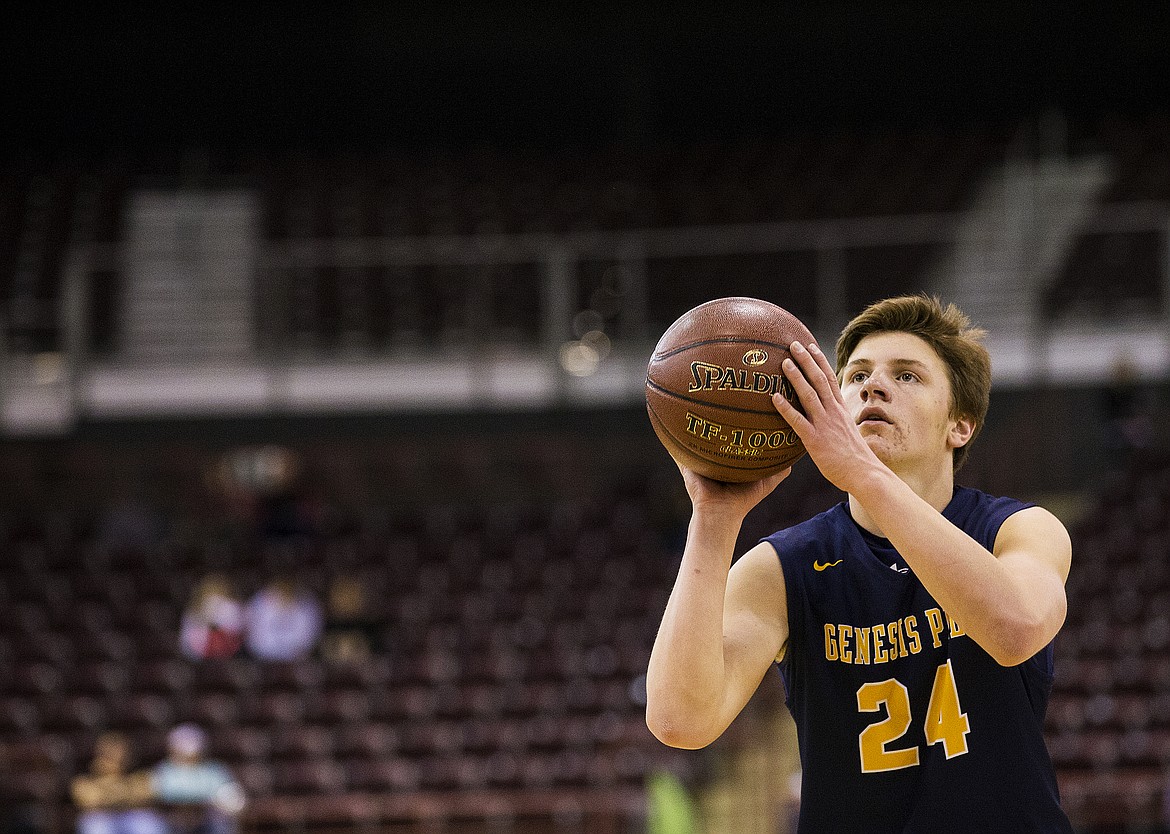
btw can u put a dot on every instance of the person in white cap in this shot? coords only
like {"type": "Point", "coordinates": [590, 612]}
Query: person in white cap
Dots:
{"type": "Point", "coordinates": [202, 795]}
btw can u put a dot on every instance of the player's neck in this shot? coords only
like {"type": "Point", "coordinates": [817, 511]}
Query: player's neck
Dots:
{"type": "Point", "coordinates": [936, 488]}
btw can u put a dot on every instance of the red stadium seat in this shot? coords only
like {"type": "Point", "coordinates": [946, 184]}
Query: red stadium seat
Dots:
{"type": "Point", "coordinates": [216, 709]}
{"type": "Point", "coordinates": [389, 775]}
{"type": "Point", "coordinates": [371, 740]}
{"type": "Point", "coordinates": [302, 742]}
{"type": "Point", "coordinates": [342, 706]}
{"type": "Point", "coordinates": [308, 777]}
{"type": "Point", "coordinates": [19, 717]}
{"type": "Point", "coordinates": [171, 677]}
{"type": "Point", "coordinates": [143, 711]}
{"type": "Point", "coordinates": [76, 714]}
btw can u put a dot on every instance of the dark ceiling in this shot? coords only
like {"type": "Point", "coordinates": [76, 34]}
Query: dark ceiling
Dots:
{"type": "Point", "coordinates": [331, 75]}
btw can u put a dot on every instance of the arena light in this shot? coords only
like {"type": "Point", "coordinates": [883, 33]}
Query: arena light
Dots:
{"type": "Point", "coordinates": [579, 359]}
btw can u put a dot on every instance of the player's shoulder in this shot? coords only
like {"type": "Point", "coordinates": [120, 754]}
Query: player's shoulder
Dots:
{"type": "Point", "coordinates": [986, 516]}
{"type": "Point", "coordinates": [813, 533]}
{"type": "Point", "coordinates": [821, 538]}
{"type": "Point", "coordinates": [969, 505]}
{"type": "Point", "coordinates": [1034, 524]}
{"type": "Point", "coordinates": [967, 498]}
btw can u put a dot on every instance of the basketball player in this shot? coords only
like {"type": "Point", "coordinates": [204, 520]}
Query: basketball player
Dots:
{"type": "Point", "coordinates": [912, 623]}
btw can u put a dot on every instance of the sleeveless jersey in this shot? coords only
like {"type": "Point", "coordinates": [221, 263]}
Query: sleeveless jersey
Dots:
{"type": "Point", "coordinates": [904, 723]}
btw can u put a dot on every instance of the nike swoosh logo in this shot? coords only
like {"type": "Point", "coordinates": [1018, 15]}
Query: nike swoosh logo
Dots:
{"type": "Point", "coordinates": [823, 565]}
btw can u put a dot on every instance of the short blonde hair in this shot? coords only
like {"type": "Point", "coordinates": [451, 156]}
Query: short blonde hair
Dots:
{"type": "Point", "coordinates": [949, 333]}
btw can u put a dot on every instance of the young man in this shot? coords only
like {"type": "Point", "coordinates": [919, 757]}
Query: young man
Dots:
{"type": "Point", "coordinates": [112, 799]}
{"type": "Point", "coordinates": [912, 624]}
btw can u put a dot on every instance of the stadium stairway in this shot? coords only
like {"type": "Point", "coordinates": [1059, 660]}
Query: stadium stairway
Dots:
{"type": "Point", "coordinates": [1013, 239]}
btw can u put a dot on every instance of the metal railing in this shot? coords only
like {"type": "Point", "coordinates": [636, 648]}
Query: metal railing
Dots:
{"type": "Point", "coordinates": [646, 277]}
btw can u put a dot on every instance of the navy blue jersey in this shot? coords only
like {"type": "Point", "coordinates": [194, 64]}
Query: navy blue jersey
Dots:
{"type": "Point", "coordinates": [904, 723]}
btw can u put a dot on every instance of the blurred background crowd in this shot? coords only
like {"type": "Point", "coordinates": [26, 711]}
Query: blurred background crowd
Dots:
{"type": "Point", "coordinates": [328, 498]}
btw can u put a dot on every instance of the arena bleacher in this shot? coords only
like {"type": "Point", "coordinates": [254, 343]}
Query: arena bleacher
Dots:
{"type": "Point", "coordinates": [507, 687]}
{"type": "Point", "coordinates": [377, 307]}
{"type": "Point", "coordinates": [519, 557]}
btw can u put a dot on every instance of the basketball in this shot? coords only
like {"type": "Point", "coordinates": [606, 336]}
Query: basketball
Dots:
{"type": "Point", "coordinates": [709, 386]}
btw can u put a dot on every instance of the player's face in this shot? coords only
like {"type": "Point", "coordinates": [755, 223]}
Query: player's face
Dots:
{"type": "Point", "coordinates": [898, 390]}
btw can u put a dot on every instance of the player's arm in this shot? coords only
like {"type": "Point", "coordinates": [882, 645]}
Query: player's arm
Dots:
{"type": "Point", "coordinates": [1010, 601]}
{"type": "Point", "coordinates": [721, 629]}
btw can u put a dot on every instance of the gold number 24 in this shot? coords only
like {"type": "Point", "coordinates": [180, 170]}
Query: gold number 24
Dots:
{"type": "Point", "coordinates": [946, 723]}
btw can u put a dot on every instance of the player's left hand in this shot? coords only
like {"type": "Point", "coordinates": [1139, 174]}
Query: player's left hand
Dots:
{"type": "Point", "coordinates": [828, 431]}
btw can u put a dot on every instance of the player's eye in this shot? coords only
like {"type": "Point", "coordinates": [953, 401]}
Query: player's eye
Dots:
{"type": "Point", "coordinates": [857, 376]}
{"type": "Point", "coordinates": [906, 376]}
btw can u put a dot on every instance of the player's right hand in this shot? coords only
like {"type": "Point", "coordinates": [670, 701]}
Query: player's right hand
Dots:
{"type": "Point", "coordinates": [825, 427]}
{"type": "Point", "coordinates": [732, 501]}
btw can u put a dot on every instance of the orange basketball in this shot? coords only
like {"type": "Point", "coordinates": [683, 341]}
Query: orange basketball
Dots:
{"type": "Point", "coordinates": [709, 386]}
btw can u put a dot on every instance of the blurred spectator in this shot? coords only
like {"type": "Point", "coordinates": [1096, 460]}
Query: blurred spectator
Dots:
{"type": "Point", "coordinates": [263, 486]}
{"type": "Point", "coordinates": [351, 633]}
{"type": "Point", "coordinates": [111, 799]}
{"type": "Point", "coordinates": [1129, 421]}
{"type": "Point", "coordinates": [286, 514]}
{"type": "Point", "coordinates": [213, 623]}
{"type": "Point", "coordinates": [283, 621]}
{"type": "Point", "coordinates": [670, 809]}
{"type": "Point", "coordinates": [23, 766]}
{"type": "Point", "coordinates": [202, 796]}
